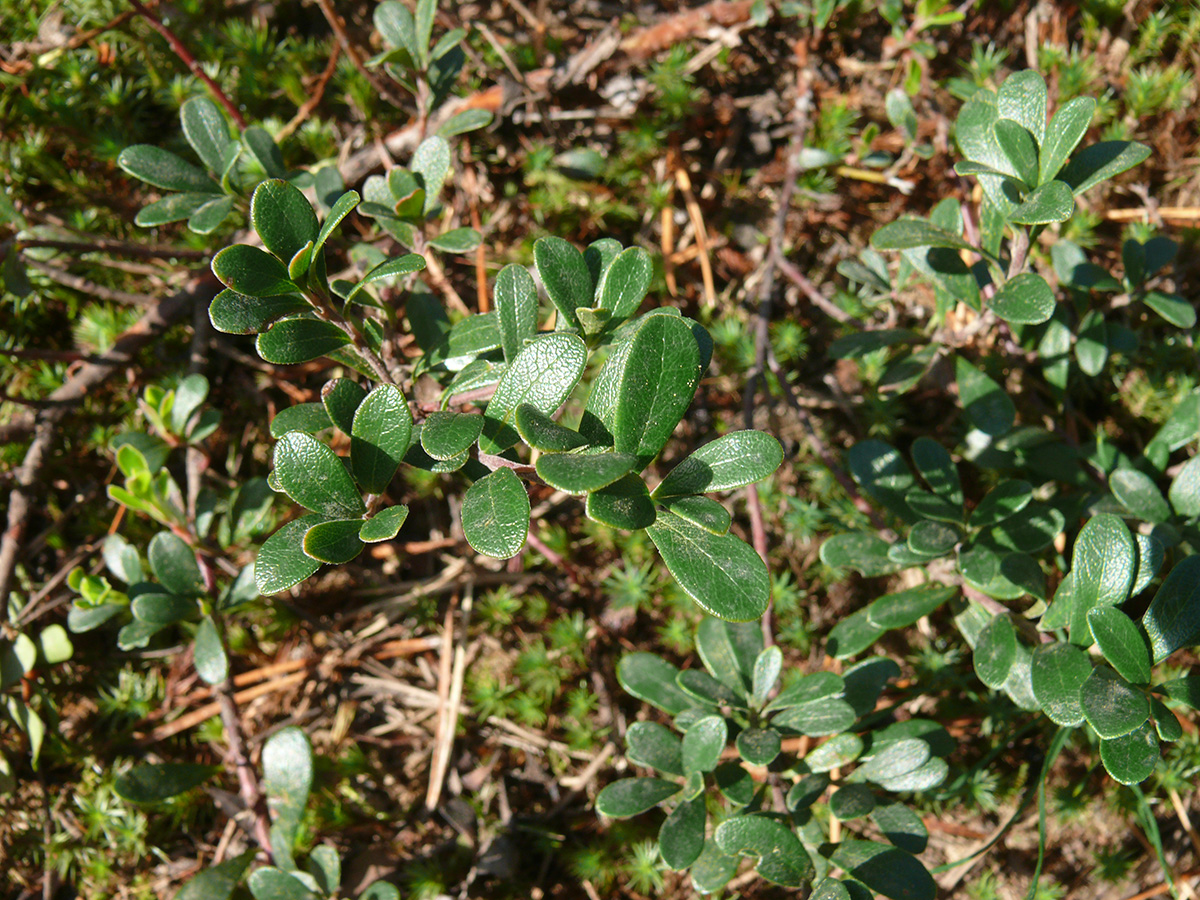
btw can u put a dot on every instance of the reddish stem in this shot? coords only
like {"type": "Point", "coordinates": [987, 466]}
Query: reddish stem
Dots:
{"type": "Point", "coordinates": [188, 60]}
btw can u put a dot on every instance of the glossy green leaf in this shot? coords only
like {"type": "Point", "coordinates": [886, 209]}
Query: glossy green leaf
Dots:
{"type": "Point", "coordinates": [164, 169]}
{"type": "Point", "coordinates": [234, 313]}
{"type": "Point", "coordinates": [384, 525]}
{"type": "Point", "coordinates": [543, 375]}
{"type": "Point", "coordinates": [626, 283]}
{"type": "Point", "coordinates": [1022, 98]}
{"type": "Point", "coordinates": [884, 869]}
{"type": "Point", "coordinates": [565, 276]}
{"type": "Point", "coordinates": [720, 572]}
{"type": "Point", "coordinates": [882, 473]}
{"type": "Point", "coordinates": [446, 434]}
{"type": "Point", "coordinates": [208, 218]}
{"type": "Point", "coordinates": [1006, 499]}
{"type": "Point", "coordinates": [541, 432]}
{"type": "Point", "coordinates": [624, 504]}
{"type": "Point", "coordinates": [1139, 494]}
{"type": "Point", "coordinates": [656, 387]}
{"type": "Point", "coordinates": [390, 268]}
{"type": "Point", "coordinates": [759, 746]}
{"type": "Point", "coordinates": [1058, 672]}
{"type": "Point", "coordinates": [308, 418]}
{"type": "Point", "coordinates": [828, 715]}
{"type": "Point", "coordinates": [729, 651]}
{"type": "Point", "coordinates": [1185, 489]}
{"type": "Point", "coordinates": [271, 883]}
{"type": "Point", "coordinates": [1099, 162]}
{"type": "Point", "coordinates": [154, 783]}
{"type": "Point", "coordinates": [840, 750]}
{"type": "Point", "coordinates": [1122, 643]}
{"type": "Point", "coordinates": [1091, 343]}
{"type": "Point", "coordinates": [703, 511]}
{"type": "Point", "coordinates": [212, 665]}
{"type": "Point", "coordinates": [681, 837]}
{"type": "Point", "coordinates": [930, 539]}
{"type": "Point", "coordinates": [172, 208]}
{"type": "Point", "coordinates": [1020, 148]}
{"type": "Point", "coordinates": [341, 208]}
{"type": "Point", "coordinates": [903, 827]}
{"type": "Point", "coordinates": [206, 129]}
{"type": "Point", "coordinates": [894, 759]}
{"type": "Point", "coordinates": [1032, 529]}
{"type": "Point", "coordinates": [379, 437]}
{"type": "Point", "coordinates": [457, 240]}
{"type": "Point", "coordinates": [1063, 135]}
{"type": "Point", "coordinates": [263, 150]}
{"type": "Point", "coordinates": [767, 667]}
{"type": "Point", "coordinates": [583, 473]}
{"type": "Point", "coordinates": [633, 796]}
{"type": "Point", "coordinates": [814, 686]}
{"type": "Point", "coordinates": [495, 514]}
{"type": "Point", "coordinates": [162, 609]}
{"type": "Point", "coordinates": [341, 399]}
{"type": "Point", "coordinates": [1177, 310]}
{"type": "Point", "coordinates": [292, 341]}
{"type": "Point", "coordinates": [934, 464]}
{"type": "Point", "coordinates": [315, 477]}
{"type": "Point", "coordinates": [864, 682]}
{"type": "Point", "coordinates": [1131, 758]}
{"type": "Point", "coordinates": [904, 608]}
{"type": "Point", "coordinates": [1184, 690]}
{"type": "Point", "coordinates": [174, 564]}
{"type": "Point", "coordinates": [995, 652]}
{"type": "Point", "coordinates": [852, 635]}
{"type": "Point", "coordinates": [1166, 723]}
{"type": "Point", "coordinates": [1024, 299]}
{"type": "Point", "coordinates": [732, 461]}
{"type": "Point", "coordinates": [654, 746]}
{"type": "Point", "coordinates": [1111, 705]}
{"type": "Point", "coordinates": [287, 763]}
{"type": "Point", "coordinates": [852, 801]}
{"type": "Point", "coordinates": [283, 218]}
{"type": "Point", "coordinates": [703, 743]}
{"type": "Point", "coordinates": [781, 858]}
{"type": "Point", "coordinates": [910, 232]}
{"type": "Point", "coordinates": [861, 551]}
{"type": "Point", "coordinates": [281, 562]}
{"type": "Point", "coordinates": [516, 303]}
{"type": "Point", "coordinates": [1103, 563]}
{"type": "Point", "coordinates": [335, 541]}
{"type": "Point", "coordinates": [251, 271]}
{"type": "Point", "coordinates": [986, 404]}
{"type": "Point", "coordinates": [652, 680]}
{"type": "Point", "coordinates": [1172, 621]}
{"type": "Point", "coordinates": [1052, 202]}
{"type": "Point", "coordinates": [217, 882]}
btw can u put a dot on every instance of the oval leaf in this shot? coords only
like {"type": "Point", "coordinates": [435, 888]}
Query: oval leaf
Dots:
{"type": "Point", "coordinates": [379, 437]}
{"type": "Point", "coordinates": [315, 477]}
{"type": "Point", "coordinates": [731, 461]}
{"type": "Point", "coordinates": [495, 514]}
{"type": "Point", "coordinates": [720, 572]}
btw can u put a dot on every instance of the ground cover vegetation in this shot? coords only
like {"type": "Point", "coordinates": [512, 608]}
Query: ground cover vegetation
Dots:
{"type": "Point", "coordinates": [569, 450]}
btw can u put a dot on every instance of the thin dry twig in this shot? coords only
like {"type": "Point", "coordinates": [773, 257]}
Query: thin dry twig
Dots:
{"type": "Point", "coordinates": [318, 93]}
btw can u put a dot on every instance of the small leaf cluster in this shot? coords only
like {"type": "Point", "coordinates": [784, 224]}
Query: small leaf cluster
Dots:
{"type": "Point", "coordinates": [426, 68]}
{"type": "Point", "coordinates": [735, 701]}
{"type": "Point", "coordinates": [21, 655]}
{"type": "Point", "coordinates": [642, 390]}
{"type": "Point", "coordinates": [1081, 654]}
{"type": "Point", "coordinates": [287, 776]}
{"type": "Point", "coordinates": [205, 197]}
{"type": "Point", "coordinates": [406, 199]}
